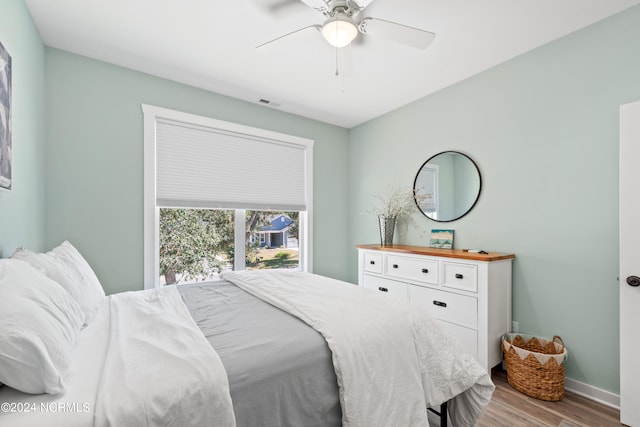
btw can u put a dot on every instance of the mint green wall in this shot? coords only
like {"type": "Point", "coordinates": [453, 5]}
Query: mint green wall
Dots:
{"type": "Point", "coordinates": [22, 208]}
{"type": "Point", "coordinates": [543, 128]}
{"type": "Point", "coordinates": [95, 163]}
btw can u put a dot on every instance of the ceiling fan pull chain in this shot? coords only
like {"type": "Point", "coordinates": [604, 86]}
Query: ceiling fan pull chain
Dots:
{"type": "Point", "coordinates": [337, 64]}
{"type": "Point", "coordinates": [339, 59]}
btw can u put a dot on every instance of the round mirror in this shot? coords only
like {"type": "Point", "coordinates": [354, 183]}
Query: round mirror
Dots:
{"type": "Point", "coordinates": [447, 186]}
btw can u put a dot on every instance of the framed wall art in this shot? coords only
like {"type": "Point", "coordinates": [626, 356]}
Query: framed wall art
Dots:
{"type": "Point", "coordinates": [5, 119]}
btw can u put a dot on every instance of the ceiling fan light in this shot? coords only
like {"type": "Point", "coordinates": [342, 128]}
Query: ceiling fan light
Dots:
{"type": "Point", "coordinates": [339, 31]}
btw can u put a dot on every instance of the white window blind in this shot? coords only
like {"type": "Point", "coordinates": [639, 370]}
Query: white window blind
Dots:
{"type": "Point", "coordinates": [206, 167]}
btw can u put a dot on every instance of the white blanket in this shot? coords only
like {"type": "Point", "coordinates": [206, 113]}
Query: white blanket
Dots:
{"type": "Point", "coordinates": [142, 361]}
{"type": "Point", "coordinates": [159, 369]}
{"type": "Point", "coordinates": [392, 360]}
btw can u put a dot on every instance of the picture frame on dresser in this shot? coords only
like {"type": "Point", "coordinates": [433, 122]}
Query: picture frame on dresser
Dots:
{"type": "Point", "coordinates": [441, 239]}
{"type": "Point", "coordinates": [468, 293]}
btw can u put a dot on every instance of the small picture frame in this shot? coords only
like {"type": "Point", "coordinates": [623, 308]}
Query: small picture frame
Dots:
{"type": "Point", "coordinates": [442, 239]}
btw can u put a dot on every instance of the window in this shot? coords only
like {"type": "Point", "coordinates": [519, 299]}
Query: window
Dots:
{"type": "Point", "coordinates": [246, 185]}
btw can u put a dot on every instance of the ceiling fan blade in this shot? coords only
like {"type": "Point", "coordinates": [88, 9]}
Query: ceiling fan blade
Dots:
{"type": "Point", "coordinates": [319, 5]}
{"type": "Point", "coordinates": [358, 5]}
{"type": "Point", "coordinates": [404, 34]}
{"type": "Point", "coordinates": [315, 27]}
{"type": "Point", "coordinates": [281, 4]}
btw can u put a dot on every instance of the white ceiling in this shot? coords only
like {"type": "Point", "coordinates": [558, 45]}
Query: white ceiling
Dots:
{"type": "Point", "coordinates": [211, 44]}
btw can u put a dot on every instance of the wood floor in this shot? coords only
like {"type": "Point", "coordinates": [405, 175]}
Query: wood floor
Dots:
{"type": "Point", "coordinates": [510, 408]}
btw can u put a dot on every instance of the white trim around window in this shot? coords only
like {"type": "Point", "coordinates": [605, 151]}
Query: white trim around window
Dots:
{"type": "Point", "coordinates": [152, 115]}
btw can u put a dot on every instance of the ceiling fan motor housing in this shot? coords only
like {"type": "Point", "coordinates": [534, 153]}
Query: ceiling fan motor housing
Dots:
{"type": "Point", "coordinates": [342, 7]}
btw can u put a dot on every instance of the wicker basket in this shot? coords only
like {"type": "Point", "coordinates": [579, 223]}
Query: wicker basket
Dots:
{"type": "Point", "coordinates": [535, 366]}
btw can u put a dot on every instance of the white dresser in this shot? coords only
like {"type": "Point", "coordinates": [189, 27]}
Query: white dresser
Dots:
{"type": "Point", "coordinates": [469, 293]}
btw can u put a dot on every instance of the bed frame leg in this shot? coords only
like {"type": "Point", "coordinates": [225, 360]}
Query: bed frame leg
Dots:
{"type": "Point", "coordinates": [442, 414]}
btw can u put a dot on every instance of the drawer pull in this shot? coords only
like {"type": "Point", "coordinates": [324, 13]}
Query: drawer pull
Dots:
{"type": "Point", "coordinates": [459, 276]}
{"type": "Point", "coordinates": [395, 265]}
{"type": "Point", "coordinates": [381, 289]}
{"type": "Point", "coordinates": [372, 262]}
{"type": "Point", "coordinates": [439, 303]}
{"type": "Point", "coordinates": [425, 270]}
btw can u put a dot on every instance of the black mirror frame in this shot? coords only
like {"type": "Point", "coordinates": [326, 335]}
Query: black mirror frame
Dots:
{"type": "Point", "coordinates": [477, 196]}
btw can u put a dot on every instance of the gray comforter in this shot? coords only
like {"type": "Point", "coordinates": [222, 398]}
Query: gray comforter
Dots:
{"type": "Point", "coordinates": [280, 370]}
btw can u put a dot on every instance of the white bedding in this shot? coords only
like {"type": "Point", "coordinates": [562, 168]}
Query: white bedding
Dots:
{"type": "Point", "coordinates": [409, 365]}
{"type": "Point", "coordinates": [26, 410]}
{"type": "Point", "coordinates": [142, 361]}
{"type": "Point", "coordinates": [131, 365]}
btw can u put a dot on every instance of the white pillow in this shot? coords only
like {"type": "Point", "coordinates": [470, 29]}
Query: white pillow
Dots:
{"type": "Point", "coordinates": [39, 323]}
{"type": "Point", "coordinates": [65, 265]}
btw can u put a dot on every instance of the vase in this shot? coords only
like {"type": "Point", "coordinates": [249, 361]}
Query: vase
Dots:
{"type": "Point", "coordinates": [387, 228]}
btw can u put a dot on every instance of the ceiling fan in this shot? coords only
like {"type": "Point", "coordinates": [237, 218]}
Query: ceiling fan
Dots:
{"type": "Point", "coordinates": [343, 24]}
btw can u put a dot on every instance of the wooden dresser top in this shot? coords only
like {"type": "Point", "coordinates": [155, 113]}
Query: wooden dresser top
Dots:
{"type": "Point", "coordinates": [449, 253]}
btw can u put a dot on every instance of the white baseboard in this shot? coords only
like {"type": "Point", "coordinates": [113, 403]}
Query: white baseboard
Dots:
{"type": "Point", "coordinates": [594, 393]}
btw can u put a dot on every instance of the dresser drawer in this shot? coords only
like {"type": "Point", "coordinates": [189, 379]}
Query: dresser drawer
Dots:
{"type": "Point", "coordinates": [372, 262]}
{"type": "Point", "coordinates": [460, 276]}
{"type": "Point", "coordinates": [389, 287]}
{"type": "Point", "coordinates": [467, 338]}
{"type": "Point", "coordinates": [417, 269]}
{"type": "Point", "coordinates": [454, 308]}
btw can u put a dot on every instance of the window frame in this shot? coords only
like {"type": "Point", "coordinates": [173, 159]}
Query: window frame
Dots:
{"type": "Point", "coordinates": [151, 211]}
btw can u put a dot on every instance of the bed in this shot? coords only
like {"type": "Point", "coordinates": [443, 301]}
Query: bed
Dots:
{"type": "Point", "coordinates": [257, 349]}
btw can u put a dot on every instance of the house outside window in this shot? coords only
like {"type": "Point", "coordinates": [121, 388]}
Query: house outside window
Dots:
{"type": "Point", "coordinates": [277, 233]}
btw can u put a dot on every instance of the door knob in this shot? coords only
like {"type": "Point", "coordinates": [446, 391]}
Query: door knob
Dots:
{"type": "Point", "coordinates": [633, 281]}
